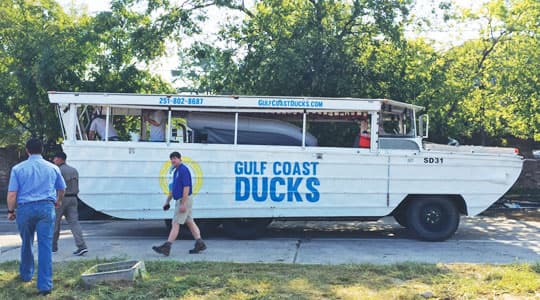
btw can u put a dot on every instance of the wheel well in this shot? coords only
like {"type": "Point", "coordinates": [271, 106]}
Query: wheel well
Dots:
{"type": "Point", "coordinates": [456, 199]}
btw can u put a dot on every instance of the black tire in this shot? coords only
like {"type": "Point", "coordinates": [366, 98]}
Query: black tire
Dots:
{"type": "Point", "coordinates": [245, 229]}
{"type": "Point", "coordinates": [401, 217]}
{"type": "Point", "coordinates": [432, 219]}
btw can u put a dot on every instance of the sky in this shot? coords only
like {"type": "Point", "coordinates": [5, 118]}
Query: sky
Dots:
{"type": "Point", "coordinates": [442, 38]}
{"type": "Point", "coordinates": [92, 6]}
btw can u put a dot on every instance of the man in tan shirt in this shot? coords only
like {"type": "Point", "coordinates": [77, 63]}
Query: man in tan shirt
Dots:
{"type": "Point", "coordinates": [69, 205]}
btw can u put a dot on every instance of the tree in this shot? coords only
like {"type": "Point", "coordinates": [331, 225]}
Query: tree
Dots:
{"type": "Point", "coordinates": [303, 47]}
{"type": "Point", "coordinates": [484, 90]}
{"type": "Point", "coordinates": [39, 52]}
{"type": "Point", "coordinates": [491, 84]}
{"type": "Point", "coordinates": [44, 49]}
{"type": "Point", "coordinates": [128, 37]}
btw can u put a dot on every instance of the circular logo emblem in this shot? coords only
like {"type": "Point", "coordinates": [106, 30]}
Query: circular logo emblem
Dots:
{"type": "Point", "coordinates": [167, 170]}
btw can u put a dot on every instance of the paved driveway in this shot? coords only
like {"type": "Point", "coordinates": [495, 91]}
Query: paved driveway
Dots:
{"type": "Point", "coordinates": [493, 239]}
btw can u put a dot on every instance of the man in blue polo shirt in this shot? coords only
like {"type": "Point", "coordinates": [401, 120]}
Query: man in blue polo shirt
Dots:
{"type": "Point", "coordinates": [35, 187]}
{"type": "Point", "coordinates": [181, 192]}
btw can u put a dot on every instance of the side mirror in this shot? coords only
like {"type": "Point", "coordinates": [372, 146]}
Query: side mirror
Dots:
{"type": "Point", "coordinates": [423, 126]}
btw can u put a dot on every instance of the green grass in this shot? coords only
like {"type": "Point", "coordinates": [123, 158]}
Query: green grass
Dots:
{"type": "Point", "coordinates": [209, 280]}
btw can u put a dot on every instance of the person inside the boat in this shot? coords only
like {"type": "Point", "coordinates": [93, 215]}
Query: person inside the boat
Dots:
{"type": "Point", "coordinates": [98, 125]}
{"type": "Point", "coordinates": [157, 120]}
{"type": "Point", "coordinates": [363, 139]}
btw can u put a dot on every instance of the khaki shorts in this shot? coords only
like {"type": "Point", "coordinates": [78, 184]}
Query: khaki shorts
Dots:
{"type": "Point", "coordinates": [179, 217]}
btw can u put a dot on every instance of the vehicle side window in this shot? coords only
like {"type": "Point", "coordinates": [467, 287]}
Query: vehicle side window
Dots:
{"type": "Point", "coordinates": [272, 129]}
{"type": "Point", "coordinates": [339, 129]}
{"type": "Point", "coordinates": [127, 122]}
{"type": "Point", "coordinates": [92, 123]}
{"type": "Point", "coordinates": [205, 127]}
{"type": "Point", "coordinates": [396, 124]}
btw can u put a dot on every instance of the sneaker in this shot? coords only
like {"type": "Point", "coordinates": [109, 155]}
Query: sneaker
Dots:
{"type": "Point", "coordinates": [164, 249]}
{"type": "Point", "coordinates": [80, 251]}
{"type": "Point", "coordinates": [55, 249]}
{"type": "Point", "coordinates": [199, 246]}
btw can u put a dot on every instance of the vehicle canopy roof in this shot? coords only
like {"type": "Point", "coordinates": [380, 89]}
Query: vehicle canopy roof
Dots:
{"type": "Point", "coordinates": [229, 101]}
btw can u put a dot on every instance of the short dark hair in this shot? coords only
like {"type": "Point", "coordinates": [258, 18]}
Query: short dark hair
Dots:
{"type": "Point", "coordinates": [34, 146]}
{"type": "Point", "coordinates": [61, 155]}
{"type": "Point", "coordinates": [175, 154]}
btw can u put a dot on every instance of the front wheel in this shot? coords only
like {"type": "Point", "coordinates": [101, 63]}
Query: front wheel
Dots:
{"type": "Point", "coordinates": [433, 219]}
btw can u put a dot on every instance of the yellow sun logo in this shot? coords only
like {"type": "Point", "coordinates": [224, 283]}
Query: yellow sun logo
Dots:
{"type": "Point", "coordinates": [167, 170]}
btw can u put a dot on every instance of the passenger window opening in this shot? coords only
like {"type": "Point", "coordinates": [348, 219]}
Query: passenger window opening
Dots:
{"type": "Point", "coordinates": [99, 123]}
{"type": "Point", "coordinates": [340, 129]}
{"type": "Point", "coordinates": [154, 125]}
{"type": "Point", "coordinates": [396, 122]}
{"type": "Point", "coordinates": [363, 138]}
{"type": "Point", "coordinates": [204, 127]}
{"type": "Point", "coordinates": [180, 131]}
{"type": "Point", "coordinates": [281, 129]}
{"type": "Point", "coordinates": [251, 128]}
{"type": "Point", "coordinates": [126, 124]}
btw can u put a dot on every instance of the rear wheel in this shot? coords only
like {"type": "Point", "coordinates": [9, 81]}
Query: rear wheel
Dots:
{"type": "Point", "coordinates": [432, 219]}
{"type": "Point", "coordinates": [245, 229]}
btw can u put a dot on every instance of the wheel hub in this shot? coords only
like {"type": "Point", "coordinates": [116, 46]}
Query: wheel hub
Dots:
{"type": "Point", "coordinates": [432, 216]}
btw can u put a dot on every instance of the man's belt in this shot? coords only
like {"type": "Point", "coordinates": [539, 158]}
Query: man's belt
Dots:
{"type": "Point", "coordinates": [70, 195]}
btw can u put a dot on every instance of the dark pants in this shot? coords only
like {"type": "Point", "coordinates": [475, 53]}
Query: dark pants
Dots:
{"type": "Point", "coordinates": [31, 218]}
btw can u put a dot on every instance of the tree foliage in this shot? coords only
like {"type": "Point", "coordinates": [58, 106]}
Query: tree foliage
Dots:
{"type": "Point", "coordinates": [305, 47]}
{"type": "Point", "coordinates": [491, 84]}
{"type": "Point", "coordinates": [484, 91]}
{"type": "Point", "coordinates": [39, 52]}
{"type": "Point", "coordinates": [45, 49]}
